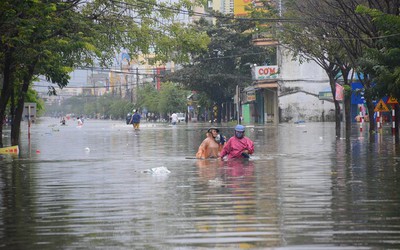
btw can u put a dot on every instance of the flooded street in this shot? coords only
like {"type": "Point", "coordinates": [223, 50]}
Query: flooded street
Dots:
{"type": "Point", "coordinates": [98, 187]}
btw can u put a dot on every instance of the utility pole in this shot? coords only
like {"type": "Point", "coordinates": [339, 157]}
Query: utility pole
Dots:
{"type": "Point", "coordinates": [94, 83]}
{"type": "Point", "coordinates": [137, 83]}
{"type": "Point", "coordinates": [238, 104]}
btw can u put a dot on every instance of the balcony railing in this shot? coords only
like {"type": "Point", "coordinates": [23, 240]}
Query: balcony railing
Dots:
{"type": "Point", "coordinates": [264, 39]}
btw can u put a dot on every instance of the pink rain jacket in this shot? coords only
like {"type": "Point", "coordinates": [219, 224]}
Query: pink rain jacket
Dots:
{"type": "Point", "coordinates": [234, 147]}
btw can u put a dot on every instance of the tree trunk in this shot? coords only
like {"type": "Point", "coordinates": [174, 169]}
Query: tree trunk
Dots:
{"type": "Point", "coordinates": [370, 107]}
{"type": "Point", "coordinates": [5, 92]}
{"type": "Point", "coordinates": [337, 118]}
{"type": "Point", "coordinates": [219, 111]}
{"type": "Point", "coordinates": [347, 112]}
{"type": "Point", "coordinates": [16, 125]}
{"type": "Point", "coordinates": [346, 99]}
{"type": "Point", "coordinates": [223, 112]}
{"type": "Point", "coordinates": [332, 83]}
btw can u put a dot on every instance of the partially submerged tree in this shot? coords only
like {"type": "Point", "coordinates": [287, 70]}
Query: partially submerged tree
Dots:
{"type": "Point", "coordinates": [311, 40]}
{"type": "Point", "coordinates": [355, 31]}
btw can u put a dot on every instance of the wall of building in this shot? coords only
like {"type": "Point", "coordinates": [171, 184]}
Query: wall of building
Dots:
{"type": "Point", "coordinates": [299, 86]}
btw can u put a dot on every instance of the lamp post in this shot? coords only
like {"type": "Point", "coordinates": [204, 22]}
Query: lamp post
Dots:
{"type": "Point", "coordinates": [237, 104]}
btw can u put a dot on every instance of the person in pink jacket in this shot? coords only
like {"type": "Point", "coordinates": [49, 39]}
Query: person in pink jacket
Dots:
{"type": "Point", "coordinates": [238, 146]}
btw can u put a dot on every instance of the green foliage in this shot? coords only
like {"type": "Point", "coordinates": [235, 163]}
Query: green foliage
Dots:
{"type": "Point", "coordinates": [225, 64]}
{"type": "Point", "coordinates": [32, 96]}
{"type": "Point", "coordinates": [148, 97]}
{"type": "Point", "coordinates": [90, 109]}
{"type": "Point", "coordinates": [119, 108]}
{"type": "Point", "coordinates": [347, 91]}
{"type": "Point", "coordinates": [104, 106]}
{"type": "Point", "coordinates": [171, 98]}
{"type": "Point", "coordinates": [185, 41]}
{"type": "Point", "coordinates": [383, 61]}
{"type": "Point", "coordinates": [51, 38]}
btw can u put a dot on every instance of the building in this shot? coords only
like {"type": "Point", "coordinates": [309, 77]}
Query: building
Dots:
{"type": "Point", "coordinates": [286, 90]}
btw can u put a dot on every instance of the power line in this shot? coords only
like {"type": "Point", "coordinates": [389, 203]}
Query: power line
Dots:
{"type": "Point", "coordinates": [194, 13]}
{"type": "Point", "coordinates": [339, 38]}
{"type": "Point", "coordinates": [275, 20]}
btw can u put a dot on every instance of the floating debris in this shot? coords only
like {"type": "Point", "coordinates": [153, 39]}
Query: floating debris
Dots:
{"type": "Point", "coordinates": [158, 171]}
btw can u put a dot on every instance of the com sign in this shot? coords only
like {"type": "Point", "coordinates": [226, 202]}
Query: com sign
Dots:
{"type": "Point", "coordinates": [265, 72]}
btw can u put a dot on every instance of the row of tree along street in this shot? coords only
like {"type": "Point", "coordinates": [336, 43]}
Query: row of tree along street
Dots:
{"type": "Point", "coordinates": [50, 38]}
{"type": "Point", "coordinates": [348, 38]}
{"type": "Point", "coordinates": [113, 107]}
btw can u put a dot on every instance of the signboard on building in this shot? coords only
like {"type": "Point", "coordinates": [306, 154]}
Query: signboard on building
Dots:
{"type": "Point", "coordinates": [265, 72]}
{"type": "Point", "coordinates": [251, 97]}
{"type": "Point", "coordinates": [326, 94]}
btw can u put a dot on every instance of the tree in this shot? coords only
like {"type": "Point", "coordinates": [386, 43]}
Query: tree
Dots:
{"type": "Point", "coordinates": [355, 31]}
{"type": "Point", "coordinates": [384, 62]}
{"type": "Point", "coordinates": [172, 98]}
{"type": "Point", "coordinates": [148, 97]}
{"type": "Point", "coordinates": [119, 108]}
{"type": "Point", "coordinates": [309, 39]}
{"type": "Point", "coordinates": [51, 37]}
{"type": "Point", "coordinates": [225, 64]}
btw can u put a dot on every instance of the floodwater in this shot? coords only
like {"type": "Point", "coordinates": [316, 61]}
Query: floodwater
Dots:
{"type": "Point", "coordinates": [101, 186]}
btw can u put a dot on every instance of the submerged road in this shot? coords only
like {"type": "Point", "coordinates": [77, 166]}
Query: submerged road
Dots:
{"type": "Point", "coordinates": [106, 186]}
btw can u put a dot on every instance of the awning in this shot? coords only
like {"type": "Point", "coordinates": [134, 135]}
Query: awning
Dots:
{"type": "Point", "coordinates": [266, 85]}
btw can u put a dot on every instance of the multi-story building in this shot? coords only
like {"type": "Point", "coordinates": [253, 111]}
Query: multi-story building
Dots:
{"type": "Point", "coordinates": [284, 91]}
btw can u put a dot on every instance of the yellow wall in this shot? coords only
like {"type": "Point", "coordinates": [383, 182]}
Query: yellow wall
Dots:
{"type": "Point", "coordinates": [239, 7]}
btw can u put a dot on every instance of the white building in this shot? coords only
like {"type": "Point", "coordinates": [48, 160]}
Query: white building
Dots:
{"type": "Point", "coordinates": [299, 86]}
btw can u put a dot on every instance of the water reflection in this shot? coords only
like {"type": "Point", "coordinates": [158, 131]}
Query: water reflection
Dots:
{"type": "Point", "coordinates": [227, 210]}
{"type": "Point", "coordinates": [303, 189]}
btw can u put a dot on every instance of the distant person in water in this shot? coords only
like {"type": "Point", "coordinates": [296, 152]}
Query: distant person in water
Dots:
{"type": "Point", "coordinates": [135, 120]}
{"type": "Point", "coordinates": [238, 146]}
{"type": "Point", "coordinates": [174, 118]}
{"type": "Point", "coordinates": [80, 123]}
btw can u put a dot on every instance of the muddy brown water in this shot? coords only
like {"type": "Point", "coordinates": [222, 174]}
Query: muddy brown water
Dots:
{"type": "Point", "coordinates": [93, 187]}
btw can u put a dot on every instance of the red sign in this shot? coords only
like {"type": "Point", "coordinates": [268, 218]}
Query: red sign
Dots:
{"type": "Point", "coordinates": [265, 72]}
{"type": "Point", "coordinates": [392, 100]}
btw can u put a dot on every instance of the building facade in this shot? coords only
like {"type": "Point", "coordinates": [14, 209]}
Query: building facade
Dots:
{"type": "Point", "coordinates": [286, 92]}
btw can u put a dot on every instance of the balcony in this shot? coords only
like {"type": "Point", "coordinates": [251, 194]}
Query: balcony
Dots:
{"type": "Point", "coordinates": [264, 39]}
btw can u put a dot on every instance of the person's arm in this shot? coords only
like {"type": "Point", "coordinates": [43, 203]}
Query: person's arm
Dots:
{"type": "Point", "coordinates": [202, 150]}
{"type": "Point", "coordinates": [249, 149]}
{"type": "Point", "coordinates": [225, 150]}
{"type": "Point", "coordinates": [250, 146]}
